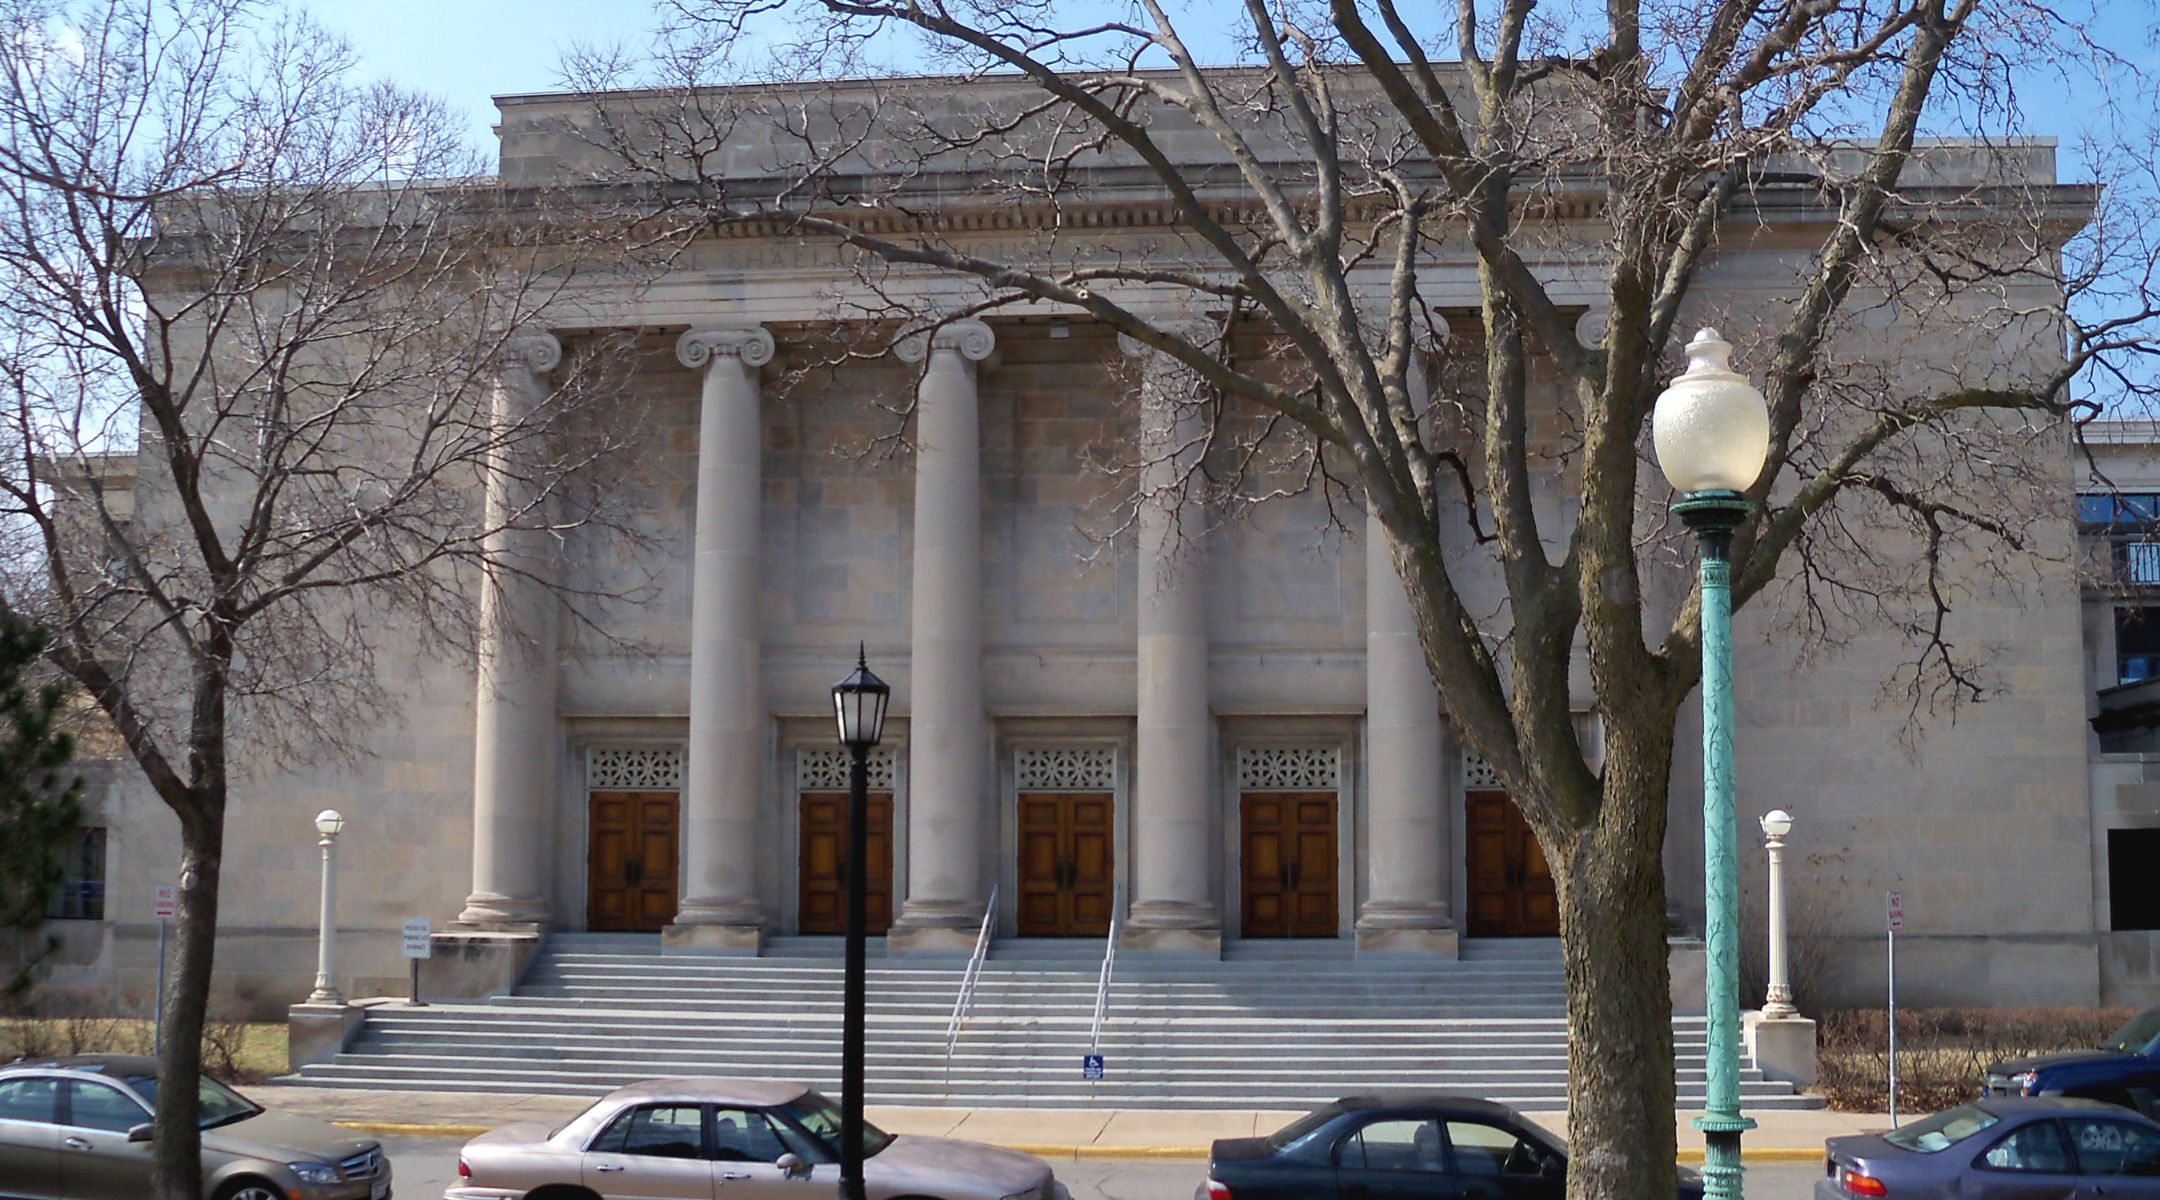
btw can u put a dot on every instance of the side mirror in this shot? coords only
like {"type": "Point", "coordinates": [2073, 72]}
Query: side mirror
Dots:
{"type": "Point", "coordinates": [791, 1165]}
{"type": "Point", "coordinates": [139, 1133]}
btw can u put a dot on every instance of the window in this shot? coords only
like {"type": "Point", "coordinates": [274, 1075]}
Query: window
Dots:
{"type": "Point", "coordinates": [2036, 1149]}
{"type": "Point", "coordinates": [102, 1106]}
{"type": "Point", "coordinates": [1482, 1149]}
{"type": "Point", "coordinates": [2113, 1148]}
{"type": "Point", "coordinates": [2137, 644]}
{"type": "Point", "coordinates": [29, 1100]}
{"type": "Point", "coordinates": [2123, 512]}
{"type": "Point", "coordinates": [659, 1131]}
{"type": "Point", "coordinates": [82, 881]}
{"type": "Point", "coordinates": [741, 1136]}
{"type": "Point", "coordinates": [1396, 1146]}
{"type": "Point", "coordinates": [1929, 1135]}
{"type": "Point", "coordinates": [2130, 524]}
{"type": "Point", "coordinates": [2133, 901]}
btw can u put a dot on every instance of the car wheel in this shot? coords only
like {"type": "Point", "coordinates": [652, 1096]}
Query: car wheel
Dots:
{"type": "Point", "coordinates": [250, 1189]}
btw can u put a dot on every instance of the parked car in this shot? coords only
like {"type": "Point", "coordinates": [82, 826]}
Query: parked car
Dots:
{"type": "Point", "coordinates": [2012, 1148]}
{"type": "Point", "coordinates": [2123, 1070]}
{"type": "Point", "coordinates": [737, 1139]}
{"type": "Point", "coordinates": [1399, 1146]}
{"type": "Point", "coordinates": [79, 1127]}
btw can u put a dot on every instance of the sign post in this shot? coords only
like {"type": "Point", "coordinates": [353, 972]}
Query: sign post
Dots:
{"type": "Point", "coordinates": [1895, 921]}
{"type": "Point", "coordinates": [165, 903]}
{"type": "Point", "coordinates": [418, 944]}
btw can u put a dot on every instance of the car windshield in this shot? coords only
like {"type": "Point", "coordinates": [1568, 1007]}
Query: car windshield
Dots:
{"type": "Point", "coordinates": [2138, 1034]}
{"type": "Point", "coordinates": [1302, 1128]}
{"type": "Point", "coordinates": [821, 1117]}
{"type": "Point", "coordinates": [1943, 1130]}
{"type": "Point", "coordinates": [220, 1104]}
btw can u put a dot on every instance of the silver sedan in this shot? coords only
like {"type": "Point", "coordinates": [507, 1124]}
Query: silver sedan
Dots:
{"type": "Point", "coordinates": [732, 1139]}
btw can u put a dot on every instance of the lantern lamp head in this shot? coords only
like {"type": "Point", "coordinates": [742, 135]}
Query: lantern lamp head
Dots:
{"type": "Point", "coordinates": [859, 705]}
{"type": "Point", "coordinates": [1711, 428]}
{"type": "Point", "coordinates": [329, 822]}
{"type": "Point", "coordinates": [1776, 823]}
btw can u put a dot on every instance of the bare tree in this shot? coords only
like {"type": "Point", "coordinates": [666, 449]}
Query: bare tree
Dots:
{"type": "Point", "coordinates": [1593, 168]}
{"type": "Point", "coordinates": [286, 298]}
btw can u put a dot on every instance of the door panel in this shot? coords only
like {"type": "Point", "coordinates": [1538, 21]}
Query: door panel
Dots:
{"type": "Point", "coordinates": [821, 870]}
{"type": "Point", "coordinates": [653, 1152]}
{"type": "Point", "coordinates": [96, 1159]}
{"type": "Point", "coordinates": [29, 1140]}
{"type": "Point", "coordinates": [1511, 890]}
{"type": "Point", "coordinates": [632, 856]}
{"type": "Point", "coordinates": [1067, 863]}
{"type": "Point", "coordinates": [1287, 867]}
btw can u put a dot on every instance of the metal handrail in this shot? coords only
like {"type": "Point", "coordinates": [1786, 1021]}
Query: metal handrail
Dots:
{"type": "Point", "coordinates": [1109, 962]}
{"type": "Point", "coordinates": [968, 979]}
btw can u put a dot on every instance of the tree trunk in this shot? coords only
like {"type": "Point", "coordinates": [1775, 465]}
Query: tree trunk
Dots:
{"type": "Point", "coordinates": [176, 1143]}
{"type": "Point", "coordinates": [1620, 1045]}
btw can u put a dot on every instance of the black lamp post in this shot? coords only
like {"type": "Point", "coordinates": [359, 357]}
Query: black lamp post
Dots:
{"type": "Point", "coordinates": [859, 703]}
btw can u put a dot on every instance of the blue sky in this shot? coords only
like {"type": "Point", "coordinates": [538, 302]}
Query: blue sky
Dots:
{"type": "Point", "coordinates": [468, 50]}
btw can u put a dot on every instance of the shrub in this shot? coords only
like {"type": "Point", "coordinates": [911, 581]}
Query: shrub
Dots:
{"type": "Point", "coordinates": [1943, 1053]}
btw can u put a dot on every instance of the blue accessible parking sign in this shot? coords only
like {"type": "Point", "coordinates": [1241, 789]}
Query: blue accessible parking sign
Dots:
{"type": "Point", "coordinates": [1091, 1066]}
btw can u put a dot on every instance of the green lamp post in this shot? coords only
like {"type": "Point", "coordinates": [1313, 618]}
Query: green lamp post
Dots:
{"type": "Point", "coordinates": [1712, 433]}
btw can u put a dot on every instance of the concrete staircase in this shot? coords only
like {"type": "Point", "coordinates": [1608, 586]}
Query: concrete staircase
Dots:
{"type": "Point", "coordinates": [1271, 1025]}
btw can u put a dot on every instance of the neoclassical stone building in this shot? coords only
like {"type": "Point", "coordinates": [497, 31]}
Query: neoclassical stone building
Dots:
{"type": "Point", "coordinates": [1217, 731]}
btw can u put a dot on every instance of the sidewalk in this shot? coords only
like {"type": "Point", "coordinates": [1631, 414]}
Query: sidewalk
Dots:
{"type": "Point", "coordinates": [1050, 1133]}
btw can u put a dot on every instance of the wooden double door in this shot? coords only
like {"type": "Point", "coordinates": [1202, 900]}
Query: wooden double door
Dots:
{"type": "Point", "coordinates": [822, 871]}
{"type": "Point", "coordinates": [1067, 859]}
{"type": "Point", "coordinates": [1287, 864]}
{"type": "Point", "coordinates": [631, 863]}
{"type": "Point", "coordinates": [1510, 888]}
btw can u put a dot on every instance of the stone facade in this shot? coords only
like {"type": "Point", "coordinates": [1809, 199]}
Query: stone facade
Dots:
{"type": "Point", "coordinates": [1210, 693]}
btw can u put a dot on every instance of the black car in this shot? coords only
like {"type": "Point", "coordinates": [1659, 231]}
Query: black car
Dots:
{"type": "Point", "coordinates": [2123, 1070]}
{"type": "Point", "coordinates": [2016, 1148]}
{"type": "Point", "coordinates": [1399, 1146]}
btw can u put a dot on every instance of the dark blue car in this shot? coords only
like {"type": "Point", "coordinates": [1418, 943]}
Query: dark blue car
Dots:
{"type": "Point", "coordinates": [1402, 1146]}
{"type": "Point", "coordinates": [2017, 1148]}
{"type": "Point", "coordinates": [2123, 1070]}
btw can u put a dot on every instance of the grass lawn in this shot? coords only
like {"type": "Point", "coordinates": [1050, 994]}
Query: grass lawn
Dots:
{"type": "Point", "coordinates": [237, 1052]}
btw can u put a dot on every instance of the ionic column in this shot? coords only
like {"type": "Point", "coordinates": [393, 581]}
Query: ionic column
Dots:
{"type": "Point", "coordinates": [514, 733]}
{"type": "Point", "coordinates": [720, 909]}
{"type": "Point", "coordinates": [1173, 885]}
{"type": "Point", "coordinates": [946, 745]}
{"type": "Point", "coordinates": [1408, 855]}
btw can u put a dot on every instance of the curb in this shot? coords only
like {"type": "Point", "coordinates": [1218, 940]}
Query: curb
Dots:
{"type": "Point", "coordinates": [1056, 1150]}
{"type": "Point", "coordinates": [413, 1129]}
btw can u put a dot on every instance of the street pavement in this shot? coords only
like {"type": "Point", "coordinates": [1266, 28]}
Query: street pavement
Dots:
{"type": "Point", "coordinates": [424, 1166]}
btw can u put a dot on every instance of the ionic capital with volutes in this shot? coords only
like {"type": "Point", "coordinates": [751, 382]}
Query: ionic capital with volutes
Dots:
{"type": "Point", "coordinates": [701, 348]}
{"type": "Point", "coordinates": [538, 352]}
{"type": "Point", "coordinates": [973, 341]}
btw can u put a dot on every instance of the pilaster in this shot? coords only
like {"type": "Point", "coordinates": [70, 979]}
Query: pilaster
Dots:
{"type": "Point", "coordinates": [514, 731]}
{"type": "Point", "coordinates": [946, 743]}
{"type": "Point", "coordinates": [720, 910]}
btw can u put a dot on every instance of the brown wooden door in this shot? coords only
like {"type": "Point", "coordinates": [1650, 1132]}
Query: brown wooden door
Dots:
{"type": "Point", "coordinates": [822, 871]}
{"type": "Point", "coordinates": [630, 880]}
{"type": "Point", "coordinates": [1066, 864]}
{"type": "Point", "coordinates": [1511, 890]}
{"type": "Point", "coordinates": [1287, 861]}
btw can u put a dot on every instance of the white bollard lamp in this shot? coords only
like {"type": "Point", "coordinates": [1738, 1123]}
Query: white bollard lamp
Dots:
{"type": "Point", "coordinates": [329, 823]}
{"type": "Point", "coordinates": [1777, 1002]}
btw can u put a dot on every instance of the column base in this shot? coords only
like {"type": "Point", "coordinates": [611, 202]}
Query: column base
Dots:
{"type": "Point", "coordinates": [1174, 925]}
{"type": "Point", "coordinates": [1389, 926]}
{"type": "Point", "coordinates": [1689, 963]}
{"type": "Point", "coordinates": [1783, 1047]}
{"type": "Point", "coordinates": [317, 1032]}
{"type": "Point", "coordinates": [711, 938]}
{"type": "Point", "coordinates": [1438, 943]}
{"type": "Point", "coordinates": [467, 962]}
{"type": "Point", "coordinates": [499, 913]}
{"type": "Point", "coordinates": [935, 927]}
